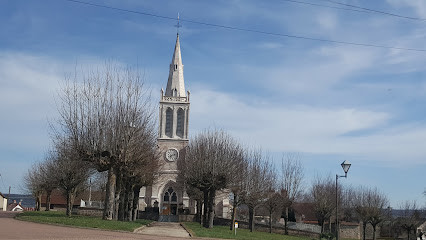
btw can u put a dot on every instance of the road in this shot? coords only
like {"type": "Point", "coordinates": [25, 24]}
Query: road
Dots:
{"type": "Point", "coordinates": [15, 229]}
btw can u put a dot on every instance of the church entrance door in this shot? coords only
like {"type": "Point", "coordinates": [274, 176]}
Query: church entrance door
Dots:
{"type": "Point", "coordinates": [169, 208]}
{"type": "Point", "coordinates": [170, 202]}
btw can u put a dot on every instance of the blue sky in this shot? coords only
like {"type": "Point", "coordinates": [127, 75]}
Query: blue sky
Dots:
{"type": "Point", "coordinates": [329, 102]}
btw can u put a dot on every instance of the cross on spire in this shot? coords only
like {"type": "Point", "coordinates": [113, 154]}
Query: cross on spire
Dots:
{"type": "Point", "coordinates": [178, 25]}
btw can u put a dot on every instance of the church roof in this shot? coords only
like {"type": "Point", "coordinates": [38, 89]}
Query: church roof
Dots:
{"type": "Point", "coordinates": [175, 83]}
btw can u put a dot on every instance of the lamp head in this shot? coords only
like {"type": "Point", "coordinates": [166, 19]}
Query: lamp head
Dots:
{"type": "Point", "coordinates": [346, 165]}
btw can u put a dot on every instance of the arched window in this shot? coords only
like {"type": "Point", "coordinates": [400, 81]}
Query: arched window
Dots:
{"type": "Point", "coordinates": [169, 122]}
{"type": "Point", "coordinates": [166, 197]}
{"type": "Point", "coordinates": [174, 197]}
{"type": "Point", "coordinates": [180, 122]}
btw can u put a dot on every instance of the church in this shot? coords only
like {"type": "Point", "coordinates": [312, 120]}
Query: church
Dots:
{"type": "Point", "coordinates": [166, 195]}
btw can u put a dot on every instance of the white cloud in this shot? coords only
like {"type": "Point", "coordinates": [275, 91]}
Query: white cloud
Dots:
{"type": "Point", "coordinates": [280, 127]}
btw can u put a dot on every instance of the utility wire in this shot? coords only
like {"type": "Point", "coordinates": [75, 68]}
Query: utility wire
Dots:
{"type": "Point", "coordinates": [326, 6]}
{"type": "Point", "coordinates": [250, 30]}
{"type": "Point", "coordinates": [375, 11]}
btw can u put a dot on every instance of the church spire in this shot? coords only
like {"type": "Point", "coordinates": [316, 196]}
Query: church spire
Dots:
{"type": "Point", "coordinates": [175, 83]}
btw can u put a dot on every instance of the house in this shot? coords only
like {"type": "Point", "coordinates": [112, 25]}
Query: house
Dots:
{"type": "Point", "coordinates": [59, 202]}
{"type": "Point", "coordinates": [27, 201]}
{"type": "Point", "coordinates": [3, 202]}
{"type": "Point", "coordinates": [15, 207]}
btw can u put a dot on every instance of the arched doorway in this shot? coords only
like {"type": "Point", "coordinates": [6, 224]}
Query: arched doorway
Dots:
{"type": "Point", "coordinates": [170, 202]}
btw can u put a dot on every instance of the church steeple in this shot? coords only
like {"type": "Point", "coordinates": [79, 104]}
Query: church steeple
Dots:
{"type": "Point", "coordinates": [174, 103]}
{"type": "Point", "coordinates": [176, 83]}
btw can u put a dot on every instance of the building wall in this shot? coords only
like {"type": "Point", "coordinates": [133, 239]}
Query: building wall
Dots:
{"type": "Point", "coordinates": [3, 203]}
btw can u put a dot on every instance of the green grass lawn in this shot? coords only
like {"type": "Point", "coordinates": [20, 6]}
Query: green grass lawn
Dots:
{"type": "Point", "coordinates": [53, 217]}
{"type": "Point", "coordinates": [224, 232]}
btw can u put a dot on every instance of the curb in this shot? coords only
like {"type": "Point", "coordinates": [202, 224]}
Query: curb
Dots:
{"type": "Point", "coordinates": [187, 230]}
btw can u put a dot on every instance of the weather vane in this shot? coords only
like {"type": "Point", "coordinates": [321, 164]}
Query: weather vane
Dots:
{"type": "Point", "coordinates": [178, 25]}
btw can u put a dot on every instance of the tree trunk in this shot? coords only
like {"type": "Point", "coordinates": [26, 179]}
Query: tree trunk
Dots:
{"type": "Point", "coordinates": [118, 204]}
{"type": "Point", "coordinates": [38, 202]}
{"type": "Point", "coordinates": [234, 211]}
{"type": "Point", "coordinates": [121, 203]}
{"type": "Point", "coordinates": [199, 211]}
{"type": "Point", "coordinates": [136, 192]}
{"type": "Point", "coordinates": [364, 226]}
{"type": "Point", "coordinates": [408, 233]}
{"type": "Point", "coordinates": [374, 231]}
{"type": "Point", "coordinates": [109, 196]}
{"type": "Point", "coordinates": [251, 218]}
{"type": "Point", "coordinates": [286, 221]}
{"type": "Point", "coordinates": [130, 205]}
{"type": "Point", "coordinates": [48, 200]}
{"type": "Point", "coordinates": [212, 196]}
{"type": "Point", "coordinates": [206, 197]}
{"type": "Point", "coordinates": [70, 201]}
{"type": "Point", "coordinates": [270, 221]}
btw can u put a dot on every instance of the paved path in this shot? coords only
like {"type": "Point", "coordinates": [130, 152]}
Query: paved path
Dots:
{"type": "Point", "coordinates": [169, 229]}
{"type": "Point", "coordinates": [15, 229]}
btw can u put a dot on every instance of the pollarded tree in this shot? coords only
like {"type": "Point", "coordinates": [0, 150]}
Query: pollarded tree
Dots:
{"type": "Point", "coordinates": [236, 186]}
{"type": "Point", "coordinates": [257, 183]}
{"type": "Point", "coordinates": [291, 182]}
{"type": "Point", "coordinates": [71, 172]}
{"type": "Point", "coordinates": [370, 206]}
{"type": "Point", "coordinates": [274, 205]}
{"type": "Point", "coordinates": [34, 184]}
{"type": "Point", "coordinates": [49, 182]}
{"type": "Point", "coordinates": [100, 112]}
{"type": "Point", "coordinates": [323, 199]}
{"type": "Point", "coordinates": [410, 219]}
{"type": "Point", "coordinates": [360, 205]}
{"type": "Point", "coordinates": [378, 203]}
{"type": "Point", "coordinates": [211, 159]}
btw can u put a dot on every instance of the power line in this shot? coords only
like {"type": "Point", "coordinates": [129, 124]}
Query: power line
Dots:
{"type": "Point", "coordinates": [250, 30]}
{"type": "Point", "coordinates": [326, 6]}
{"type": "Point", "coordinates": [375, 11]}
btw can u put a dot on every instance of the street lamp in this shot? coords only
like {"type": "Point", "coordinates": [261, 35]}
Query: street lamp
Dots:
{"type": "Point", "coordinates": [345, 165]}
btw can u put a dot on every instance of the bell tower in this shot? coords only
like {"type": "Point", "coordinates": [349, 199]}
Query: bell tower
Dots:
{"type": "Point", "coordinates": [174, 102]}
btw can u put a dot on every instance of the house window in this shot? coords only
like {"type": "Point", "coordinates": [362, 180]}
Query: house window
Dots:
{"type": "Point", "coordinates": [169, 122]}
{"type": "Point", "coordinates": [180, 122]}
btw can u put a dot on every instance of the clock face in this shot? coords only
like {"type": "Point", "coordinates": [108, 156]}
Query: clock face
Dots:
{"type": "Point", "coordinates": [172, 154]}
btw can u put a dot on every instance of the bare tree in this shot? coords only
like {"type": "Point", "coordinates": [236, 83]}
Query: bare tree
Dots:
{"type": "Point", "coordinates": [291, 183]}
{"type": "Point", "coordinates": [101, 112]}
{"type": "Point", "coordinates": [361, 207]}
{"type": "Point", "coordinates": [48, 177]}
{"type": "Point", "coordinates": [378, 203]}
{"type": "Point", "coordinates": [33, 183]}
{"type": "Point", "coordinates": [211, 159]}
{"type": "Point", "coordinates": [258, 181]}
{"type": "Point", "coordinates": [323, 199]}
{"type": "Point", "coordinates": [71, 172]}
{"type": "Point", "coordinates": [274, 205]}
{"type": "Point", "coordinates": [410, 219]}
{"type": "Point", "coordinates": [236, 186]}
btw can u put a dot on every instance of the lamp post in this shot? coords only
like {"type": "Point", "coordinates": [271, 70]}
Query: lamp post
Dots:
{"type": "Point", "coordinates": [345, 165]}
